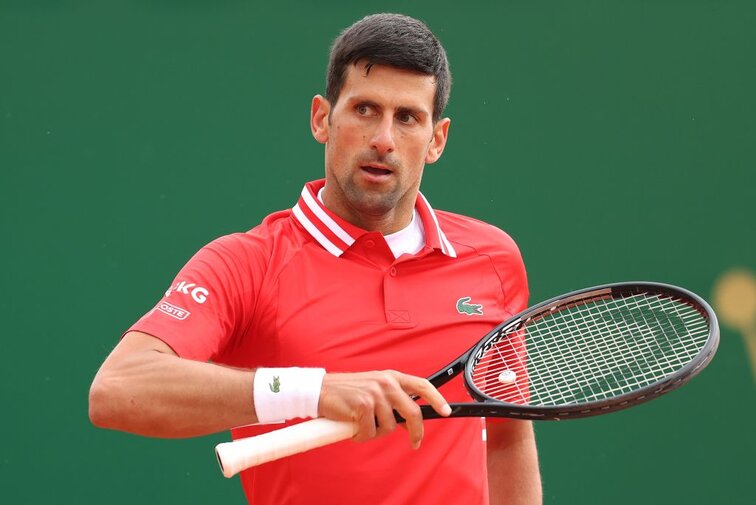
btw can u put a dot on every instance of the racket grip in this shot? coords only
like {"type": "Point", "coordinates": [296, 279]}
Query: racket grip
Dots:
{"type": "Point", "coordinates": [233, 457]}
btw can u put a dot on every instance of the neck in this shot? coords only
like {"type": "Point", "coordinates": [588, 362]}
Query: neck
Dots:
{"type": "Point", "coordinates": [372, 217]}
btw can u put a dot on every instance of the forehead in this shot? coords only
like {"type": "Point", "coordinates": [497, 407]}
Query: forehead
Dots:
{"type": "Point", "coordinates": [389, 85]}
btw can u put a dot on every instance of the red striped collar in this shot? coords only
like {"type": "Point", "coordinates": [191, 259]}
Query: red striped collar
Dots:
{"type": "Point", "coordinates": [336, 235]}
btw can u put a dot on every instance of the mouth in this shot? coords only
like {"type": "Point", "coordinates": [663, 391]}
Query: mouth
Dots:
{"type": "Point", "coordinates": [376, 170]}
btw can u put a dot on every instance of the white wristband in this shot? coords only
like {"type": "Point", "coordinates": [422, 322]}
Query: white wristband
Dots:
{"type": "Point", "coordinates": [286, 393]}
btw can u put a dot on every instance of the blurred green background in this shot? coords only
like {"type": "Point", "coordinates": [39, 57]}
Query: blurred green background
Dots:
{"type": "Point", "coordinates": [614, 140]}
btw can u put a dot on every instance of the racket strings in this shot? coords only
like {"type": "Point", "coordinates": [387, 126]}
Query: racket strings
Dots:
{"type": "Point", "coordinates": [591, 350]}
{"type": "Point", "coordinates": [592, 364]}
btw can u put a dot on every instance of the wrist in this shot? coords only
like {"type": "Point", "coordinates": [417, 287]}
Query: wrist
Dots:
{"type": "Point", "coordinates": [281, 394]}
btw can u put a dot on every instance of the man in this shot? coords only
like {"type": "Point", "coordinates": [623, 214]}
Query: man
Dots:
{"type": "Point", "coordinates": [362, 276]}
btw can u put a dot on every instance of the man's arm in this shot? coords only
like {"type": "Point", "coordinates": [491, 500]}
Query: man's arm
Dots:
{"type": "Point", "coordinates": [513, 474]}
{"type": "Point", "coordinates": [143, 387]}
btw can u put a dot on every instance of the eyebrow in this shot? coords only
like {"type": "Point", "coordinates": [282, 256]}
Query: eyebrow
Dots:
{"type": "Point", "coordinates": [402, 109]}
{"type": "Point", "coordinates": [410, 110]}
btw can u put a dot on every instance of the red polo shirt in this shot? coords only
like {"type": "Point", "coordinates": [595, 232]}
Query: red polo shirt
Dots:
{"type": "Point", "coordinates": [306, 288]}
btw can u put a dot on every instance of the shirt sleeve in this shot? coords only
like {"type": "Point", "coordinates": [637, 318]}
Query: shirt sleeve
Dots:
{"type": "Point", "coordinates": [514, 284]}
{"type": "Point", "coordinates": [511, 270]}
{"type": "Point", "coordinates": [210, 300]}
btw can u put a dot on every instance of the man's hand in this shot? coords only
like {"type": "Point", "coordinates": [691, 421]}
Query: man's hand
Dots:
{"type": "Point", "coordinates": [368, 398]}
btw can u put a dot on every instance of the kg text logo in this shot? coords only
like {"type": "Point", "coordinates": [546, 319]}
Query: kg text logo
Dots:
{"type": "Point", "coordinates": [198, 293]}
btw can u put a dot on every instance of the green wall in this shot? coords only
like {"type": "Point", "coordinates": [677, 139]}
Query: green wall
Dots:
{"type": "Point", "coordinates": [615, 140]}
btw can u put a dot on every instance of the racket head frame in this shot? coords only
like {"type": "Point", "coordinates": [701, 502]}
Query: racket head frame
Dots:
{"type": "Point", "coordinates": [487, 406]}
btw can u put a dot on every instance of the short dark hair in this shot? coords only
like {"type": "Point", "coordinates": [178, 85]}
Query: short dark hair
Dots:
{"type": "Point", "coordinates": [395, 40]}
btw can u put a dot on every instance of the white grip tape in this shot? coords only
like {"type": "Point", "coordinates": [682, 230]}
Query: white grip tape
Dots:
{"type": "Point", "coordinates": [244, 453]}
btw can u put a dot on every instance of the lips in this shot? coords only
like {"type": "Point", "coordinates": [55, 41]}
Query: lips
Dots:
{"type": "Point", "coordinates": [376, 170]}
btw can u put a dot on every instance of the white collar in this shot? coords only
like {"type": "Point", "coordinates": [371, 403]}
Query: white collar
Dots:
{"type": "Point", "coordinates": [336, 235]}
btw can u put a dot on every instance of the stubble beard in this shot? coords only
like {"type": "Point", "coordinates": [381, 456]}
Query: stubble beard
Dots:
{"type": "Point", "coordinates": [373, 202]}
{"type": "Point", "coordinates": [379, 200]}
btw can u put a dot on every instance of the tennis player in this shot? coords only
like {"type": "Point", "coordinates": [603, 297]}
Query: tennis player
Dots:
{"type": "Point", "coordinates": [339, 306]}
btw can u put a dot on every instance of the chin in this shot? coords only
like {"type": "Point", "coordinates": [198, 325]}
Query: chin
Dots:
{"type": "Point", "coordinates": [373, 207]}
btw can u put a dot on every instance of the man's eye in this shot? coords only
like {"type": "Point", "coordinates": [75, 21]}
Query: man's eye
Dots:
{"type": "Point", "coordinates": [406, 118]}
{"type": "Point", "coordinates": [363, 110]}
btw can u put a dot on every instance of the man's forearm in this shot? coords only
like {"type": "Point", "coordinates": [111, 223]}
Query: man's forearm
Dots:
{"type": "Point", "coordinates": [144, 388]}
{"type": "Point", "coordinates": [513, 474]}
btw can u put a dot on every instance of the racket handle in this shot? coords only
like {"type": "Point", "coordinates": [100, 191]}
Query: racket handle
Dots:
{"type": "Point", "coordinates": [233, 457]}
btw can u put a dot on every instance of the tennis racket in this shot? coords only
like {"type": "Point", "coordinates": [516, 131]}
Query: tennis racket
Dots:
{"type": "Point", "coordinates": [585, 353]}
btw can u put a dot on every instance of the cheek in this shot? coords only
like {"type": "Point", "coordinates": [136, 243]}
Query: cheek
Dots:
{"type": "Point", "coordinates": [417, 149]}
{"type": "Point", "coordinates": [341, 148]}
{"type": "Point", "coordinates": [346, 137]}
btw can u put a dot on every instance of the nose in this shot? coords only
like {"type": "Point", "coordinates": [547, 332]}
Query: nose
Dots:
{"type": "Point", "coordinates": [383, 137]}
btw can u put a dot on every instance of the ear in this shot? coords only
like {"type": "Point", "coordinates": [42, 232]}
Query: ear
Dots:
{"type": "Point", "coordinates": [319, 118]}
{"type": "Point", "coordinates": [438, 142]}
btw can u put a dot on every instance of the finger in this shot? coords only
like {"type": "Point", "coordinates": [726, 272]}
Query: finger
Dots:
{"type": "Point", "coordinates": [413, 418]}
{"type": "Point", "coordinates": [425, 390]}
{"type": "Point", "coordinates": [384, 415]}
{"type": "Point", "coordinates": [366, 428]}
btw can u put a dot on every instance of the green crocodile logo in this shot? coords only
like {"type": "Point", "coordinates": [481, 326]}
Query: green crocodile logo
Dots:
{"type": "Point", "coordinates": [469, 309]}
{"type": "Point", "coordinates": [276, 386]}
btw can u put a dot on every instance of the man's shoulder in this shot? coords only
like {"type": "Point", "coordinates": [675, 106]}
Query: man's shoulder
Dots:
{"type": "Point", "coordinates": [468, 231]}
{"type": "Point", "coordinates": [275, 230]}
{"type": "Point", "coordinates": [474, 239]}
